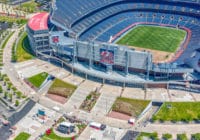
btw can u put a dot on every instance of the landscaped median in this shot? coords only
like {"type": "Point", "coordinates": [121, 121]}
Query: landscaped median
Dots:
{"type": "Point", "coordinates": [178, 111]}
{"type": "Point", "coordinates": [90, 101]}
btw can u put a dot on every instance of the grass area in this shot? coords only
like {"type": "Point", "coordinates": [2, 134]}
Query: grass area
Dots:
{"type": "Point", "coordinates": [23, 50]}
{"type": "Point", "coordinates": [53, 136]}
{"type": "Point", "coordinates": [179, 111]}
{"type": "Point", "coordinates": [130, 107]}
{"type": "Point", "coordinates": [30, 6]}
{"type": "Point", "coordinates": [152, 136]}
{"type": "Point", "coordinates": [38, 79]}
{"type": "Point", "coordinates": [90, 101]}
{"type": "Point", "coordinates": [22, 136]}
{"type": "Point", "coordinates": [62, 88]}
{"type": "Point", "coordinates": [154, 37]}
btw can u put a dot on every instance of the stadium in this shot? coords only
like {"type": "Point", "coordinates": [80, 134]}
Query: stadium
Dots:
{"type": "Point", "coordinates": [137, 43]}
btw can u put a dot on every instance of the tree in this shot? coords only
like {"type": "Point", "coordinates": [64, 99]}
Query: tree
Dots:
{"type": "Point", "coordinates": [19, 94]}
{"type": "Point", "coordinates": [10, 96]}
{"type": "Point", "coordinates": [16, 102]}
{"type": "Point", "coordinates": [5, 95]}
{"type": "Point", "coordinates": [181, 137]}
{"type": "Point", "coordinates": [9, 86]}
{"type": "Point", "coordinates": [196, 136]}
{"type": "Point", "coordinates": [1, 90]}
{"type": "Point", "coordinates": [166, 136]}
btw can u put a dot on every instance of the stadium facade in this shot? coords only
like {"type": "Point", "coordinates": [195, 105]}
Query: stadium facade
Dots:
{"type": "Point", "coordinates": [77, 34]}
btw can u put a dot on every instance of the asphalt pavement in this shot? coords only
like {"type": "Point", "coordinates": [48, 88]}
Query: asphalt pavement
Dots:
{"type": "Point", "coordinates": [14, 118]}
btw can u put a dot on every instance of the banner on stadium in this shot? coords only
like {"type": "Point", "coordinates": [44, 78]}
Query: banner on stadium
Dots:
{"type": "Point", "coordinates": [55, 39]}
{"type": "Point", "coordinates": [107, 56]}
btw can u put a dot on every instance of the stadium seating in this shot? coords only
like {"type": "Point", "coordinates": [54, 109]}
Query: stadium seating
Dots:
{"type": "Point", "coordinates": [98, 20]}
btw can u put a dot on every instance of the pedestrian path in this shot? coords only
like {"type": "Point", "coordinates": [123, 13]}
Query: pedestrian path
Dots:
{"type": "Point", "coordinates": [107, 98]}
{"type": "Point", "coordinates": [80, 94]}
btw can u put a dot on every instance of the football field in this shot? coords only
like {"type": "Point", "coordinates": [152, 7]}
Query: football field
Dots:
{"type": "Point", "coordinates": [154, 37]}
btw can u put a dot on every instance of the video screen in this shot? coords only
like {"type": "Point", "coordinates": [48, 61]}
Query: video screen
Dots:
{"type": "Point", "coordinates": [107, 56]}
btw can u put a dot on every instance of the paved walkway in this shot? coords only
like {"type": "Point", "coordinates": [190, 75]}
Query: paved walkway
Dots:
{"type": "Point", "coordinates": [106, 99]}
{"type": "Point", "coordinates": [9, 68]}
{"type": "Point", "coordinates": [172, 129]}
{"type": "Point", "coordinates": [80, 94]}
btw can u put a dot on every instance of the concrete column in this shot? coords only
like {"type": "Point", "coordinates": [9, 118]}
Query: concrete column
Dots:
{"type": "Point", "coordinates": [127, 63]}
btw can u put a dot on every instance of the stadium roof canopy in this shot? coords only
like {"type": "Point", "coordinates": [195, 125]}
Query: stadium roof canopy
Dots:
{"type": "Point", "coordinates": [39, 21]}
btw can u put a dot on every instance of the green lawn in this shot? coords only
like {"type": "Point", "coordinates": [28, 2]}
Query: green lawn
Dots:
{"type": "Point", "coordinates": [132, 107]}
{"type": "Point", "coordinates": [154, 37]}
{"type": "Point", "coordinates": [62, 88]}
{"type": "Point", "coordinates": [53, 136]}
{"type": "Point", "coordinates": [179, 111]}
{"type": "Point", "coordinates": [23, 49]}
{"type": "Point", "coordinates": [22, 136]}
{"type": "Point", "coordinates": [38, 79]}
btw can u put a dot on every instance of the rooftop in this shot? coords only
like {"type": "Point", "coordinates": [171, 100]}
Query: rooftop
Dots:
{"type": "Point", "coordinates": [39, 21]}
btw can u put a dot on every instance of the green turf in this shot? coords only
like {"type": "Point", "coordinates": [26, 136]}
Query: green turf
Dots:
{"type": "Point", "coordinates": [22, 136]}
{"type": "Point", "coordinates": [154, 37]}
{"type": "Point", "coordinates": [132, 107]}
{"type": "Point", "coordinates": [179, 111]}
{"type": "Point", "coordinates": [53, 136]}
{"type": "Point", "coordinates": [38, 79]}
{"type": "Point", "coordinates": [23, 49]}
